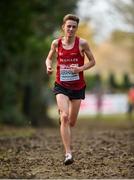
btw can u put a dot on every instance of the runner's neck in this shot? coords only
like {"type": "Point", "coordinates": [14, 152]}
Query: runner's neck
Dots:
{"type": "Point", "coordinates": [68, 40]}
{"type": "Point", "coordinates": [68, 43]}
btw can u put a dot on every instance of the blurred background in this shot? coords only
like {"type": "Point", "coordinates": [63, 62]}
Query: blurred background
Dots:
{"type": "Point", "coordinates": [26, 32]}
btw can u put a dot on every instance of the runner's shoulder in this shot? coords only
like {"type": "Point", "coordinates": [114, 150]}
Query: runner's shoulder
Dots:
{"type": "Point", "coordinates": [83, 41]}
{"type": "Point", "coordinates": [55, 43]}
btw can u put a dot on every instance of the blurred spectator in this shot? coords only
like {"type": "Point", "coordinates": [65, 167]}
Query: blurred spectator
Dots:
{"type": "Point", "coordinates": [98, 91]}
{"type": "Point", "coordinates": [130, 101]}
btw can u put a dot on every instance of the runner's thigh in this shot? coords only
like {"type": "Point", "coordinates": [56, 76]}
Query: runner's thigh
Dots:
{"type": "Point", "coordinates": [62, 103]}
{"type": "Point", "coordinates": [74, 107]}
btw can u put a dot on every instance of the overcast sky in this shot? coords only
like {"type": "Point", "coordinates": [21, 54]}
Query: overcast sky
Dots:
{"type": "Point", "coordinates": [104, 18]}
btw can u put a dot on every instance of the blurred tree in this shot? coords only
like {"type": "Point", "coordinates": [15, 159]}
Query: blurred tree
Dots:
{"type": "Point", "coordinates": [25, 33]}
{"type": "Point", "coordinates": [112, 84]}
{"type": "Point", "coordinates": [126, 9]}
{"type": "Point", "coordinates": [90, 82]}
{"type": "Point", "coordinates": [126, 41]}
{"type": "Point", "coordinates": [119, 37]}
{"type": "Point", "coordinates": [126, 82]}
{"type": "Point", "coordinates": [86, 32]}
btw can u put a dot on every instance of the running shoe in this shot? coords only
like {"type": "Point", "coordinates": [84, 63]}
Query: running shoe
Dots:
{"type": "Point", "coordinates": [68, 159]}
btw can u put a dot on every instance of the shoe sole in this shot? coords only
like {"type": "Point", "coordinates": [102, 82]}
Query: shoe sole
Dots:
{"type": "Point", "coordinates": [69, 162]}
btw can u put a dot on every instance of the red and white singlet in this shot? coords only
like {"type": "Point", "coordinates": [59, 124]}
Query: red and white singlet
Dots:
{"type": "Point", "coordinates": [65, 58]}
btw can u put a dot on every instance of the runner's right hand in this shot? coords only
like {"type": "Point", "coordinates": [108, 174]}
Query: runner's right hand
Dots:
{"type": "Point", "coordinates": [49, 70]}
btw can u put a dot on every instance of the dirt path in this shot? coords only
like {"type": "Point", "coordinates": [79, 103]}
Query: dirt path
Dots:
{"type": "Point", "coordinates": [100, 151]}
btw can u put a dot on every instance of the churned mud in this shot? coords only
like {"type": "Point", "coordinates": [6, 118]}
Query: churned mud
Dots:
{"type": "Point", "coordinates": [100, 149]}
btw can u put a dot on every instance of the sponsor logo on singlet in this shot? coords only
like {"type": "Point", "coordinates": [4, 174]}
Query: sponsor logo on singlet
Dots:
{"type": "Point", "coordinates": [73, 60]}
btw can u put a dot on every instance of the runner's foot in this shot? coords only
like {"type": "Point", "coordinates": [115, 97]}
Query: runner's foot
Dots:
{"type": "Point", "coordinates": [68, 159]}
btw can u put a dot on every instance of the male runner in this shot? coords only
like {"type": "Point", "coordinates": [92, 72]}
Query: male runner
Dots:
{"type": "Point", "coordinates": [69, 85]}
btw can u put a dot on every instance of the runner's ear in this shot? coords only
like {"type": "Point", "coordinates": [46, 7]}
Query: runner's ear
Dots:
{"type": "Point", "coordinates": [63, 27]}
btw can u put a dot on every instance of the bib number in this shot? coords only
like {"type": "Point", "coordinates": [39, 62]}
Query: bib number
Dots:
{"type": "Point", "coordinates": [67, 75]}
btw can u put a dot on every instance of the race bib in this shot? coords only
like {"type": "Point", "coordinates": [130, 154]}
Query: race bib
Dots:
{"type": "Point", "coordinates": [67, 75]}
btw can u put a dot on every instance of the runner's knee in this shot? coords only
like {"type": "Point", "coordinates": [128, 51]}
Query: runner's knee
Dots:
{"type": "Point", "coordinates": [64, 117]}
{"type": "Point", "coordinates": [72, 123]}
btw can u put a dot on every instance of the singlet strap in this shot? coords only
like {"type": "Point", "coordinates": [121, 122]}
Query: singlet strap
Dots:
{"type": "Point", "coordinates": [76, 45]}
{"type": "Point", "coordinates": [59, 42]}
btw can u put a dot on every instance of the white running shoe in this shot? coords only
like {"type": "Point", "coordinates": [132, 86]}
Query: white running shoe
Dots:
{"type": "Point", "coordinates": [68, 159]}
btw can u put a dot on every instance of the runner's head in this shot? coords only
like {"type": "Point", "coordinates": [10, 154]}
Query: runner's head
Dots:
{"type": "Point", "coordinates": [70, 17]}
{"type": "Point", "coordinates": [70, 25]}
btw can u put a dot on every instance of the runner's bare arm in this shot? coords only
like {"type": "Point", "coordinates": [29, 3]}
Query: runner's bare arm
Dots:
{"type": "Point", "coordinates": [84, 48]}
{"type": "Point", "coordinates": [87, 51]}
{"type": "Point", "coordinates": [50, 56]}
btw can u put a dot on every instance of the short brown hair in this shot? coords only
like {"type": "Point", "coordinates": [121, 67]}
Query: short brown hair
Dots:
{"type": "Point", "coordinates": [70, 17]}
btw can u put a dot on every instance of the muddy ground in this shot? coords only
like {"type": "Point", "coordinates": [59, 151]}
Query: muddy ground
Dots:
{"type": "Point", "coordinates": [101, 150]}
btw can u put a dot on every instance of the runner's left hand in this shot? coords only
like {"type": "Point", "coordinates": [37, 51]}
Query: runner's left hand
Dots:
{"type": "Point", "coordinates": [75, 69]}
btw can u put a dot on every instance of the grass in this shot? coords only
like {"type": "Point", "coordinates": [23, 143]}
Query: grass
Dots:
{"type": "Point", "coordinates": [53, 113]}
{"type": "Point", "coordinates": [114, 117]}
{"type": "Point", "coordinates": [107, 121]}
{"type": "Point", "coordinates": [7, 131]}
{"type": "Point", "coordinates": [120, 119]}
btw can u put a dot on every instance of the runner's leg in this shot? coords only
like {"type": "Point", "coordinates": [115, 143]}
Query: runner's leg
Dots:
{"type": "Point", "coordinates": [63, 106]}
{"type": "Point", "coordinates": [74, 106]}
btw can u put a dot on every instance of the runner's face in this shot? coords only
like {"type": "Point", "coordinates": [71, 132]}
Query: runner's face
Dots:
{"type": "Point", "coordinates": [70, 28]}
